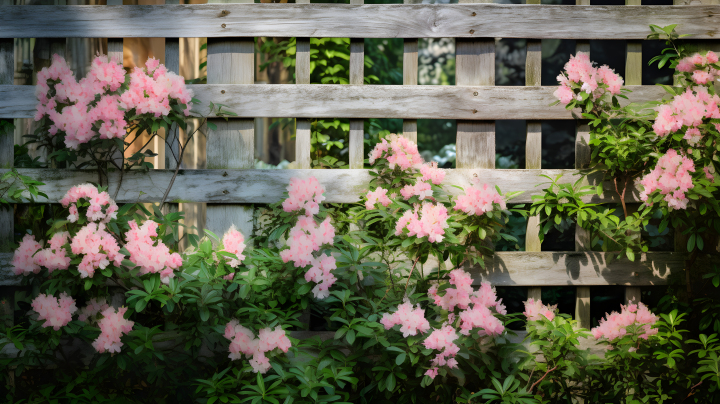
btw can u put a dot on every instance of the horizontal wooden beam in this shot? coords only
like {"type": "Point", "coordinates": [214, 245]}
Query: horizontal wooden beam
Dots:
{"type": "Point", "coordinates": [355, 101]}
{"type": "Point", "coordinates": [268, 186]}
{"type": "Point", "coordinates": [365, 21]}
{"type": "Point", "coordinates": [540, 269]}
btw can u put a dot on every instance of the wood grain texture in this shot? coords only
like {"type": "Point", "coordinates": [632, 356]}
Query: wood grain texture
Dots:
{"type": "Point", "coordinates": [582, 306]}
{"type": "Point", "coordinates": [542, 269]}
{"type": "Point", "coordinates": [475, 144]}
{"type": "Point", "coordinates": [357, 77]}
{"type": "Point", "coordinates": [302, 126]}
{"type": "Point", "coordinates": [367, 101]}
{"type": "Point", "coordinates": [357, 144]}
{"type": "Point", "coordinates": [410, 78]}
{"type": "Point", "coordinates": [267, 186]}
{"type": "Point", "coordinates": [349, 21]}
{"type": "Point", "coordinates": [232, 145]}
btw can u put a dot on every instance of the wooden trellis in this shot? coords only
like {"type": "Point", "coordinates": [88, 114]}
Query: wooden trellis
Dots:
{"type": "Point", "coordinates": [229, 186]}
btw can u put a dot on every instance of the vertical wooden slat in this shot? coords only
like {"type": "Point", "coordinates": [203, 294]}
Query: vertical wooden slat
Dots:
{"type": "Point", "coordinates": [533, 144]}
{"type": "Point", "coordinates": [172, 62]}
{"type": "Point", "coordinates": [231, 145]}
{"type": "Point", "coordinates": [582, 237]}
{"type": "Point", "coordinates": [7, 74]}
{"type": "Point", "coordinates": [633, 77]}
{"type": "Point", "coordinates": [115, 45]}
{"type": "Point", "coordinates": [475, 66]}
{"type": "Point", "coordinates": [357, 77]}
{"type": "Point", "coordinates": [410, 78]}
{"type": "Point", "coordinates": [302, 125]}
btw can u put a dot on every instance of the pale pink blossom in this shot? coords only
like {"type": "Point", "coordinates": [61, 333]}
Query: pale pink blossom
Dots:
{"type": "Point", "coordinates": [535, 308]}
{"type": "Point", "coordinates": [99, 248]}
{"type": "Point", "coordinates": [398, 151]}
{"type": "Point", "coordinates": [56, 312]}
{"type": "Point", "coordinates": [102, 207]}
{"type": "Point", "coordinates": [112, 326]}
{"type": "Point", "coordinates": [243, 341]}
{"type": "Point", "coordinates": [411, 320]}
{"type": "Point", "coordinates": [479, 199]}
{"type": "Point", "coordinates": [92, 309]}
{"type": "Point", "coordinates": [24, 257]}
{"type": "Point", "coordinates": [429, 221]}
{"type": "Point", "coordinates": [234, 243]}
{"type": "Point", "coordinates": [580, 71]}
{"type": "Point", "coordinates": [320, 272]}
{"type": "Point", "coordinates": [430, 173]}
{"type": "Point", "coordinates": [421, 189]}
{"type": "Point", "coordinates": [671, 177]}
{"type": "Point", "coordinates": [304, 194]}
{"type": "Point", "coordinates": [305, 238]}
{"type": "Point", "coordinates": [693, 136]}
{"type": "Point", "coordinates": [687, 109]}
{"type": "Point", "coordinates": [633, 319]}
{"type": "Point", "coordinates": [375, 197]}
{"type": "Point", "coordinates": [151, 256]}
{"type": "Point", "coordinates": [442, 340]}
{"type": "Point", "coordinates": [55, 255]}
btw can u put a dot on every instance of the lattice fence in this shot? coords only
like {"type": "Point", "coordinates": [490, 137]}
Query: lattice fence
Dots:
{"type": "Point", "coordinates": [230, 185]}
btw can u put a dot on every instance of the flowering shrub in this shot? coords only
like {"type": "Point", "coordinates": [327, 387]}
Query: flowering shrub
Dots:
{"type": "Point", "coordinates": [392, 278]}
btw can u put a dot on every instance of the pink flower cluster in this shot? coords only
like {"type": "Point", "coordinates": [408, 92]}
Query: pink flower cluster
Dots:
{"type": "Point", "coordinates": [99, 201]}
{"type": "Point", "coordinates": [443, 341]}
{"type": "Point", "coordinates": [112, 326]}
{"type": "Point", "coordinates": [411, 320]}
{"type": "Point", "coordinates": [242, 341]}
{"type": "Point", "coordinates": [90, 107]}
{"type": "Point", "coordinates": [93, 307]}
{"type": "Point", "coordinates": [234, 243]}
{"type": "Point", "coordinates": [686, 109]}
{"type": "Point", "coordinates": [304, 194]}
{"type": "Point", "coordinates": [149, 257]}
{"type": "Point", "coordinates": [482, 300]}
{"type": "Point", "coordinates": [305, 238]}
{"type": "Point", "coordinates": [431, 173]}
{"type": "Point", "coordinates": [377, 196]}
{"type": "Point", "coordinates": [321, 273]}
{"type": "Point", "coordinates": [699, 66]}
{"type": "Point", "coordinates": [398, 151]}
{"type": "Point", "coordinates": [421, 189]}
{"type": "Point", "coordinates": [24, 257]}
{"type": "Point", "coordinates": [479, 199]}
{"type": "Point", "coordinates": [56, 312]}
{"type": "Point", "coordinates": [55, 255]}
{"type": "Point", "coordinates": [534, 309]}
{"type": "Point", "coordinates": [430, 221]}
{"type": "Point", "coordinates": [580, 72]}
{"type": "Point", "coordinates": [633, 319]}
{"type": "Point", "coordinates": [99, 247]}
{"type": "Point", "coordinates": [671, 176]}
{"type": "Point", "coordinates": [151, 91]}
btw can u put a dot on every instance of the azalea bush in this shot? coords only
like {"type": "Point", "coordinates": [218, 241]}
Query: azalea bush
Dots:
{"type": "Point", "coordinates": [114, 310]}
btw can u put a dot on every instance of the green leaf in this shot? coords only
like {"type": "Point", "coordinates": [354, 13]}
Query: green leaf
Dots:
{"type": "Point", "coordinates": [691, 243]}
{"type": "Point", "coordinates": [400, 359]}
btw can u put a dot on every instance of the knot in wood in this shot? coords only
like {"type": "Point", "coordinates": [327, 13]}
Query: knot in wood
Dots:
{"type": "Point", "coordinates": [473, 14]}
{"type": "Point", "coordinates": [222, 91]}
{"type": "Point", "coordinates": [226, 192]}
{"type": "Point", "coordinates": [474, 111]}
{"type": "Point", "coordinates": [225, 174]}
{"type": "Point", "coordinates": [472, 31]}
{"type": "Point", "coordinates": [224, 13]}
{"type": "Point", "coordinates": [475, 93]}
{"type": "Point", "coordinates": [223, 25]}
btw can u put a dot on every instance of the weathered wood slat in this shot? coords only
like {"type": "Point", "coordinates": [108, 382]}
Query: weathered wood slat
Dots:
{"type": "Point", "coordinates": [362, 101]}
{"type": "Point", "coordinates": [540, 269]}
{"type": "Point", "coordinates": [267, 186]}
{"type": "Point", "coordinates": [366, 21]}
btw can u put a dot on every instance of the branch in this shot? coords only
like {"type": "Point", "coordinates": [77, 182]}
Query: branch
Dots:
{"type": "Point", "coordinates": [541, 379]}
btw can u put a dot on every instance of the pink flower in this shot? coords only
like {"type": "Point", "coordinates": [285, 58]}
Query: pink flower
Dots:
{"type": "Point", "coordinates": [431, 173]}
{"type": "Point", "coordinates": [234, 243]}
{"type": "Point", "coordinates": [480, 317]}
{"type": "Point", "coordinates": [421, 189]}
{"type": "Point", "coordinates": [112, 326]}
{"type": "Point", "coordinates": [93, 307]}
{"type": "Point", "coordinates": [242, 341]}
{"type": "Point", "coordinates": [411, 320]}
{"type": "Point", "coordinates": [56, 312]}
{"type": "Point", "coordinates": [579, 71]}
{"type": "Point", "coordinates": [442, 340]}
{"type": "Point", "coordinates": [304, 194]}
{"type": "Point", "coordinates": [534, 309]}
{"type": "Point", "coordinates": [430, 222]}
{"type": "Point", "coordinates": [102, 207]}
{"type": "Point", "coordinates": [671, 176]}
{"type": "Point", "coordinates": [99, 247]}
{"type": "Point", "coordinates": [565, 94]}
{"type": "Point", "coordinates": [305, 238]}
{"type": "Point", "coordinates": [377, 196]}
{"type": "Point", "coordinates": [702, 77]}
{"type": "Point", "coordinates": [709, 170]}
{"type": "Point", "coordinates": [432, 372]}
{"type": "Point", "coordinates": [479, 200]}
{"type": "Point", "coordinates": [398, 151]}
{"type": "Point", "coordinates": [152, 256]}
{"type": "Point", "coordinates": [634, 319]}
{"type": "Point", "coordinates": [686, 109]}
{"type": "Point", "coordinates": [320, 272]}
{"type": "Point", "coordinates": [693, 136]}
{"type": "Point", "coordinates": [55, 256]}
{"type": "Point", "coordinates": [23, 259]}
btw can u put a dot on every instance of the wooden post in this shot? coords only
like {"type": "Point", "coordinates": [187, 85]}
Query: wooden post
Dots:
{"type": "Point", "coordinates": [410, 78]}
{"type": "Point", "coordinates": [7, 142]}
{"type": "Point", "coordinates": [582, 237]}
{"type": "Point", "coordinates": [357, 77]}
{"type": "Point", "coordinates": [475, 66]}
{"type": "Point", "coordinates": [302, 125]}
{"type": "Point", "coordinates": [533, 145]}
{"type": "Point", "coordinates": [231, 145]}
